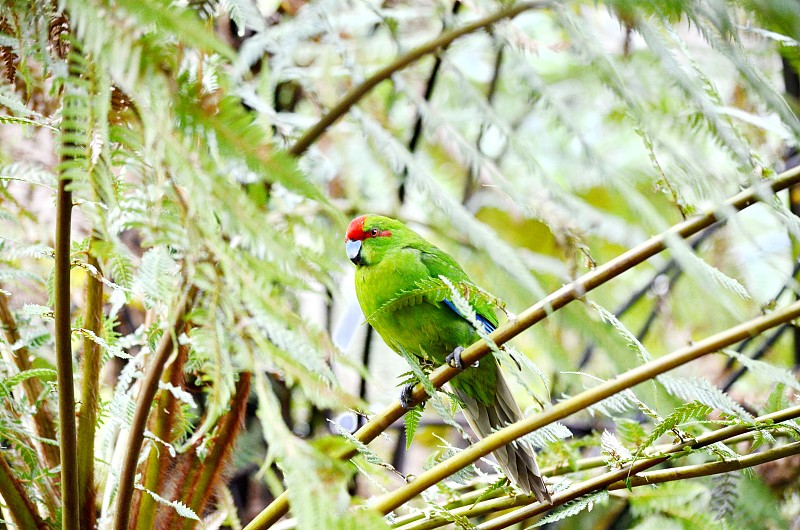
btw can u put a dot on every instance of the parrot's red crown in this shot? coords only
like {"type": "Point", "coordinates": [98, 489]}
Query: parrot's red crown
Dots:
{"type": "Point", "coordinates": [355, 232]}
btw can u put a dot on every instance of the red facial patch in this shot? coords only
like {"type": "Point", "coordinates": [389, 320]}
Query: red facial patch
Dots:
{"type": "Point", "coordinates": [355, 232]}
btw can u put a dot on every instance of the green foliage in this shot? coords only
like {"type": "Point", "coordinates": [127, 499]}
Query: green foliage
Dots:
{"type": "Point", "coordinates": [683, 414]}
{"type": "Point", "coordinates": [536, 151]}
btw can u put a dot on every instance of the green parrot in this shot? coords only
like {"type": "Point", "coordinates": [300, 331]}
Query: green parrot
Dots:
{"type": "Point", "coordinates": [391, 259]}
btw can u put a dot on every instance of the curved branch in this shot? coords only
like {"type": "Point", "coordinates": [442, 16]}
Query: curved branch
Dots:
{"type": "Point", "coordinates": [359, 91]}
{"type": "Point", "coordinates": [540, 311]}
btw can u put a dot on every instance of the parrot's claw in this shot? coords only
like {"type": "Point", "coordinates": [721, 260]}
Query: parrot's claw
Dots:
{"type": "Point", "coordinates": [454, 359]}
{"type": "Point", "coordinates": [406, 396]}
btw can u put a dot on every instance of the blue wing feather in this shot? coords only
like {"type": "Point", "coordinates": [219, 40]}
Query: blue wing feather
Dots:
{"type": "Point", "coordinates": [488, 326]}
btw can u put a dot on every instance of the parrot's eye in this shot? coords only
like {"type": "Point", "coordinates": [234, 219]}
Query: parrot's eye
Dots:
{"type": "Point", "coordinates": [373, 232]}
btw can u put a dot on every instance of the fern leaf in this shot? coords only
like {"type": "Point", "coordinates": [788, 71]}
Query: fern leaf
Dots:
{"type": "Point", "coordinates": [572, 508]}
{"type": "Point", "coordinates": [411, 421]}
{"type": "Point", "coordinates": [681, 415]}
{"type": "Point", "coordinates": [701, 390]}
{"type": "Point", "coordinates": [178, 506]}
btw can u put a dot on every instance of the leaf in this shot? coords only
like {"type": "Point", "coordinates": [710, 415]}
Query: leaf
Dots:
{"type": "Point", "coordinates": [9, 382]}
{"type": "Point", "coordinates": [549, 434]}
{"type": "Point", "coordinates": [39, 311]}
{"type": "Point", "coordinates": [681, 415]}
{"type": "Point", "coordinates": [629, 337]}
{"type": "Point", "coordinates": [614, 453]}
{"type": "Point", "coordinates": [573, 508]}
{"type": "Point", "coordinates": [765, 370]}
{"type": "Point", "coordinates": [411, 420]}
{"type": "Point", "coordinates": [433, 394]}
{"type": "Point", "coordinates": [701, 390]}
{"type": "Point", "coordinates": [179, 507]}
{"type": "Point", "coordinates": [365, 451]}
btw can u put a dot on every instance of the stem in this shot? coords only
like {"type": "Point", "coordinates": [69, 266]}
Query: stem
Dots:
{"type": "Point", "coordinates": [158, 461]}
{"type": "Point", "coordinates": [66, 392]}
{"type": "Point", "coordinates": [13, 493]}
{"type": "Point", "coordinates": [43, 421]}
{"type": "Point", "coordinates": [146, 394]}
{"type": "Point", "coordinates": [540, 311]}
{"type": "Point", "coordinates": [359, 91]}
{"type": "Point", "coordinates": [581, 401]}
{"type": "Point", "coordinates": [606, 479]}
{"type": "Point", "coordinates": [212, 466]}
{"type": "Point", "coordinates": [90, 393]}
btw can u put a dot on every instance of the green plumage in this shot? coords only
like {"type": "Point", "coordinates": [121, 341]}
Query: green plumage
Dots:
{"type": "Point", "coordinates": [399, 289]}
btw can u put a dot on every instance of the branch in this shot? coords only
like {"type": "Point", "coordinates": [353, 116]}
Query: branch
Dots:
{"type": "Point", "coordinates": [655, 456]}
{"type": "Point", "coordinates": [13, 493]}
{"type": "Point", "coordinates": [359, 91]}
{"type": "Point", "coordinates": [631, 378]}
{"type": "Point", "coordinates": [539, 312]}
{"type": "Point", "coordinates": [90, 393]}
{"type": "Point", "coordinates": [146, 394]}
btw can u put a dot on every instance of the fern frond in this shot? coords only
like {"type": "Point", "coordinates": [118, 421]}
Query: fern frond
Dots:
{"type": "Point", "coordinates": [681, 415]}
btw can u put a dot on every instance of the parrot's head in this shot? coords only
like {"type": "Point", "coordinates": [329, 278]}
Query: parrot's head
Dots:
{"type": "Point", "coordinates": [369, 237]}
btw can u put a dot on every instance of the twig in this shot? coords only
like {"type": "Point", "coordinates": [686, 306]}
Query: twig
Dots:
{"type": "Point", "coordinates": [539, 312]}
{"type": "Point", "coordinates": [408, 58]}
{"type": "Point", "coordinates": [147, 391]}
{"type": "Point", "coordinates": [167, 410]}
{"type": "Point", "coordinates": [711, 468]}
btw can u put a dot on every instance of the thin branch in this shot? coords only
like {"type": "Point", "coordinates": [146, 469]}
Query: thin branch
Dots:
{"type": "Point", "coordinates": [147, 392]}
{"type": "Point", "coordinates": [711, 468]}
{"type": "Point", "coordinates": [221, 448]}
{"type": "Point", "coordinates": [90, 393]}
{"type": "Point", "coordinates": [539, 312]}
{"type": "Point", "coordinates": [13, 493]}
{"type": "Point", "coordinates": [359, 91]}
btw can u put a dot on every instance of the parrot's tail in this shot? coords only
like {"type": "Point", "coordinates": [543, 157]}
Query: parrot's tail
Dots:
{"type": "Point", "coordinates": [517, 459]}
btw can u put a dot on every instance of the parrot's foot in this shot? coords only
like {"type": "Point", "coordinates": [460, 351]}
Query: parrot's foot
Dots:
{"type": "Point", "coordinates": [454, 359]}
{"type": "Point", "coordinates": [406, 396]}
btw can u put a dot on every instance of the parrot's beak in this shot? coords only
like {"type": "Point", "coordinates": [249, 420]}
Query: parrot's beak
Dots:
{"type": "Point", "coordinates": [353, 248]}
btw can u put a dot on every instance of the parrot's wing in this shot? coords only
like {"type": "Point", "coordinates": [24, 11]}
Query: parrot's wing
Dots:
{"type": "Point", "coordinates": [438, 264]}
